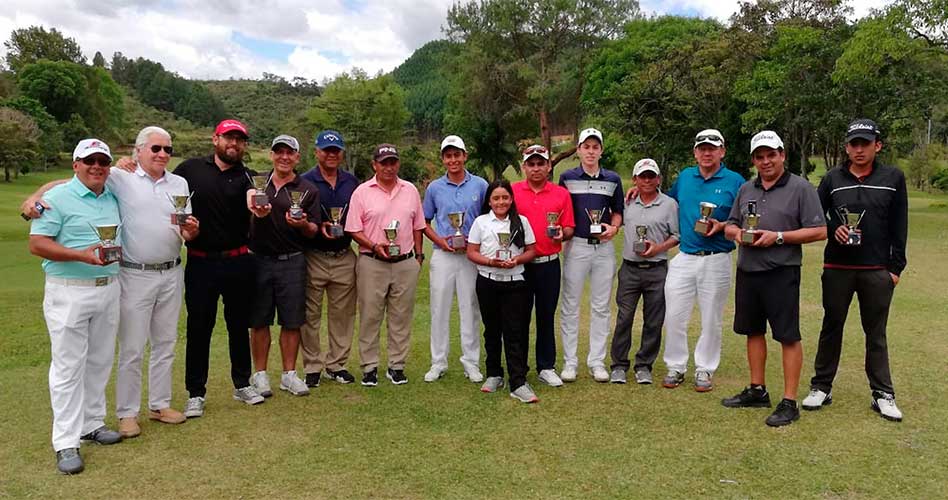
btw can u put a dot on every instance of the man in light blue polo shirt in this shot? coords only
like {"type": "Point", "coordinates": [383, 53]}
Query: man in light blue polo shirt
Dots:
{"type": "Point", "coordinates": [702, 269]}
{"type": "Point", "coordinates": [80, 302]}
{"type": "Point", "coordinates": [450, 272]}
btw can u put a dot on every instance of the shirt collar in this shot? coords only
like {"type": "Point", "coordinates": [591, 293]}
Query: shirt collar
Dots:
{"type": "Point", "coordinates": [657, 201]}
{"type": "Point", "coordinates": [782, 181]}
{"type": "Point", "coordinates": [139, 171]}
{"type": "Point", "coordinates": [583, 173]}
{"type": "Point", "coordinates": [82, 191]}
{"type": "Point", "coordinates": [719, 173]}
{"type": "Point", "coordinates": [494, 217]}
{"type": "Point", "coordinates": [467, 177]}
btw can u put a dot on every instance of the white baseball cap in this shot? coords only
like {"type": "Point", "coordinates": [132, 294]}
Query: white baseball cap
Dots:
{"type": "Point", "coordinates": [286, 140]}
{"type": "Point", "coordinates": [88, 147]}
{"type": "Point", "coordinates": [766, 139]}
{"type": "Point", "coordinates": [453, 141]}
{"type": "Point", "coordinates": [645, 165]}
{"type": "Point", "coordinates": [587, 133]}
{"type": "Point", "coordinates": [536, 150]}
{"type": "Point", "coordinates": [709, 136]}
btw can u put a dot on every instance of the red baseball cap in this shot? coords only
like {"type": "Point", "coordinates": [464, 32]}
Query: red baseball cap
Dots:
{"type": "Point", "coordinates": [226, 126]}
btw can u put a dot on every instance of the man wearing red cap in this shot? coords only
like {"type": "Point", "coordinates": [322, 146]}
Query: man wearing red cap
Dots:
{"type": "Point", "coordinates": [219, 264]}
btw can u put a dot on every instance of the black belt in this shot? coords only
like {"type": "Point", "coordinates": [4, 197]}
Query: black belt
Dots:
{"type": "Point", "coordinates": [282, 256]}
{"type": "Point", "coordinates": [164, 266]}
{"type": "Point", "coordinates": [393, 260]}
{"type": "Point", "coordinates": [333, 253]}
{"type": "Point", "coordinates": [593, 241]}
{"type": "Point", "coordinates": [645, 264]}
{"type": "Point", "coordinates": [704, 253]}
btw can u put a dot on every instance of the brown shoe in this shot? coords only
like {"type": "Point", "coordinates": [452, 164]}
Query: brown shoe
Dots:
{"type": "Point", "coordinates": [167, 415]}
{"type": "Point", "coordinates": [128, 427]}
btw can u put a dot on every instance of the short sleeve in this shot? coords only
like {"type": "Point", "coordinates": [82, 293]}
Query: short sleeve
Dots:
{"type": "Point", "coordinates": [528, 237]}
{"type": "Point", "coordinates": [734, 217]}
{"type": "Point", "coordinates": [811, 210]}
{"type": "Point", "coordinates": [355, 212]}
{"type": "Point", "coordinates": [49, 223]}
{"type": "Point", "coordinates": [419, 223]}
{"type": "Point", "coordinates": [428, 205]}
{"type": "Point", "coordinates": [475, 235]}
{"type": "Point", "coordinates": [673, 229]}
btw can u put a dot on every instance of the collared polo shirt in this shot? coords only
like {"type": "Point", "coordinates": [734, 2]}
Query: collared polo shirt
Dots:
{"type": "Point", "coordinates": [372, 208]}
{"type": "Point", "coordinates": [660, 217]}
{"type": "Point", "coordinates": [219, 203]}
{"type": "Point", "coordinates": [145, 206]}
{"type": "Point", "coordinates": [791, 203]}
{"type": "Point", "coordinates": [74, 210]}
{"type": "Point", "coordinates": [689, 190]}
{"type": "Point", "coordinates": [444, 196]}
{"type": "Point", "coordinates": [271, 235]}
{"type": "Point", "coordinates": [484, 231]}
{"type": "Point", "coordinates": [332, 196]}
{"type": "Point", "coordinates": [600, 192]}
{"type": "Point", "coordinates": [535, 205]}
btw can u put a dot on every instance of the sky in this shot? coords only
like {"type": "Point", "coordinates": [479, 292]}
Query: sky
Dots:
{"type": "Point", "coordinates": [244, 38]}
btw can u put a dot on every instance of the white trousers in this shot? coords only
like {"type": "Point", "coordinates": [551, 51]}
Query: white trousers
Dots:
{"type": "Point", "coordinates": [598, 263]}
{"type": "Point", "coordinates": [708, 278]}
{"type": "Point", "coordinates": [82, 321]}
{"type": "Point", "coordinates": [451, 274]}
{"type": "Point", "coordinates": [151, 304]}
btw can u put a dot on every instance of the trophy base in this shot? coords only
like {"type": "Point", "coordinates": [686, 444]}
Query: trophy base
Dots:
{"type": "Point", "coordinates": [110, 254]}
{"type": "Point", "coordinates": [595, 229]}
{"type": "Point", "coordinates": [749, 237]}
{"type": "Point", "coordinates": [854, 239]}
{"type": "Point", "coordinates": [703, 227]}
{"type": "Point", "coordinates": [179, 219]}
{"type": "Point", "coordinates": [335, 230]}
{"type": "Point", "coordinates": [394, 250]}
{"type": "Point", "coordinates": [296, 213]}
{"type": "Point", "coordinates": [551, 232]}
{"type": "Point", "coordinates": [457, 242]}
{"type": "Point", "coordinates": [640, 246]}
{"type": "Point", "coordinates": [260, 200]}
{"type": "Point", "coordinates": [503, 255]}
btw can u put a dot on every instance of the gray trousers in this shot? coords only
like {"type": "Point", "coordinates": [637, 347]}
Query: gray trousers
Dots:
{"type": "Point", "coordinates": [635, 282]}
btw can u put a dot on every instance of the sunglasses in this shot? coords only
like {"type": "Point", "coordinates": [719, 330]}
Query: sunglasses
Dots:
{"type": "Point", "coordinates": [155, 148]}
{"type": "Point", "coordinates": [708, 138]}
{"type": "Point", "coordinates": [103, 162]}
{"type": "Point", "coordinates": [535, 150]}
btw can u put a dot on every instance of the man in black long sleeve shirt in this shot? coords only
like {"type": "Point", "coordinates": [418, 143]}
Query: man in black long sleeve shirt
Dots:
{"type": "Point", "coordinates": [869, 269]}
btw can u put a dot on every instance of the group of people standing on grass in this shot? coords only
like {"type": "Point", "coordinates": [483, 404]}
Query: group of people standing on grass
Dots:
{"type": "Point", "coordinates": [272, 245]}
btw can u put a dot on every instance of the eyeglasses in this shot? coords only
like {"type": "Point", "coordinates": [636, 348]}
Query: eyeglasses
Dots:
{"type": "Point", "coordinates": [233, 138]}
{"type": "Point", "coordinates": [103, 162]}
{"type": "Point", "coordinates": [155, 148]}
{"type": "Point", "coordinates": [711, 137]}
{"type": "Point", "coordinates": [535, 150]}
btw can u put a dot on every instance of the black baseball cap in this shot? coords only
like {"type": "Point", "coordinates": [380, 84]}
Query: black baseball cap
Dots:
{"type": "Point", "coordinates": [863, 128]}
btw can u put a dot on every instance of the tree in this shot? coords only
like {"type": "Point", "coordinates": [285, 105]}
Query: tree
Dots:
{"type": "Point", "coordinates": [425, 78]}
{"type": "Point", "coordinates": [98, 60]}
{"type": "Point", "coordinates": [18, 141]}
{"type": "Point", "coordinates": [369, 111]}
{"type": "Point", "coordinates": [29, 45]}
{"type": "Point", "coordinates": [535, 53]}
{"type": "Point", "coordinates": [51, 135]}
{"type": "Point", "coordinates": [59, 85]}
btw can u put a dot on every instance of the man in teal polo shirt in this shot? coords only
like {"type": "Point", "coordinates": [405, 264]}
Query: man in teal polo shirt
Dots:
{"type": "Point", "coordinates": [80, 302]}
{"type": "Point", "coordinates": [702, 270]}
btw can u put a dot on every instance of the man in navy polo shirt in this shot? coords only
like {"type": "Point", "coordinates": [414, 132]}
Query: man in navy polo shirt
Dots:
{"type": "Point", "coordinates": [450, 272]}
{"type": "Point", "coordinates": [702, 269]}
{"type": "Point", "coordinates": [330, 267]}
{"type": "Point", "coordinates": [597, 208]}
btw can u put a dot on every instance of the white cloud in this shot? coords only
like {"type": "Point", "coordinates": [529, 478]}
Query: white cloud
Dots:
{"type": "Point", "coordinates": [195, 37]}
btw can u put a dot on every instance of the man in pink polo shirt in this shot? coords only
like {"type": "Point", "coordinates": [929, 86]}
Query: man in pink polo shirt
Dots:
{"type": "Point", "coordinates": [386, 220]}
{"type": "Point", "coordinates": [549, 209]}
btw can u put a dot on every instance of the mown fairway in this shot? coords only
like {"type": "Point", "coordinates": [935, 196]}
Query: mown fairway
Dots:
{"type": "Point", "coordinates": [447, 440]}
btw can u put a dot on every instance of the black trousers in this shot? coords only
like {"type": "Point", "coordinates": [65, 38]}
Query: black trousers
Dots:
{"type": "Point", "coordinates": [635, 283]}
{"type": "Point", "coordinates": [544, 282]}
{"type": "Point", "coordinates": [205, 281]}
{"type": "Point", "coordinates": [873, 289]}
{"type": "Point", "coordinates": [505, 311]}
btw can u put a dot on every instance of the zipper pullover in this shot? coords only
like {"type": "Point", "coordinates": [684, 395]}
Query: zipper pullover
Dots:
{"type": "Point", "coordinates": [883, 196]}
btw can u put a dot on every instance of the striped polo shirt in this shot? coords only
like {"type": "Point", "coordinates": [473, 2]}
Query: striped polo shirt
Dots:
{"type": "Point", "coordinates": [600, 192]}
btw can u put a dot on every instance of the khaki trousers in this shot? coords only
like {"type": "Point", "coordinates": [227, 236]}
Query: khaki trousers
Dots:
{"type": "Point", "coordinates": [385, 288]}
{"type": "Point", "coordinates": [336, 278]}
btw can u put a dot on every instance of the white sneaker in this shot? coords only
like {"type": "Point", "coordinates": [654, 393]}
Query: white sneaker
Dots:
{"type": "Point", "coordinates": [817, 399]}
{"type": "Point", "coordinates": [289, 382]}
{"type": "Point", "coordinates": [248, 395]}
{"type": "Point", "coordinates": [599, 374]}
{"type": "Point", "coordinates": [525, 394]}
{"type": "Point", "coordinates": [434, 373]}
{"type": "Point", "coordinates": [883, 403]}
{"type": "Point", "coordinates": [550, 378]}
{"type": "Point", "coordinates": [194, 408]}
{"type": "Point", "coordinates": [568, 374]}
{"type": "Point", "coordinates": [474, 375]}
{"type": "Point", "coordinates": [261, 383]}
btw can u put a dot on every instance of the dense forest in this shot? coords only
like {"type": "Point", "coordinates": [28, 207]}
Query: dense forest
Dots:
{"type": "Point", "coordinates": [514, 71]}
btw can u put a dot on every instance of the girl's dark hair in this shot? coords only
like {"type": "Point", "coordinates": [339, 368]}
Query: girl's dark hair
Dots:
{"type": "Point", "coordinates": [516, 225]}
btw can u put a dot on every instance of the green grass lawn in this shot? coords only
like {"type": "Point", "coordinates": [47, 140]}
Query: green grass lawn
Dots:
{"type": "Point", "coordinates": [447, 440]}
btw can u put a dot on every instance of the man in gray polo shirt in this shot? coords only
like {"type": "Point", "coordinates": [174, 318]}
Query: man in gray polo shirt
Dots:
{"type": "Point", "coordinates": [772, 218]}
{"type": "Point", "coordinates": [644, 266]}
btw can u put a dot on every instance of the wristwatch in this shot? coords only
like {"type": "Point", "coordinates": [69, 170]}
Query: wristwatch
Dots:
{"type": "Point", "coordinates": [780, 237]}
{"type": "Point", "coordinates": [420, 256]}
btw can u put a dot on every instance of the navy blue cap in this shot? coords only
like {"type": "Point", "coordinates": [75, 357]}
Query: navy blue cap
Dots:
{"type": "Point", "coordinates": [330, 139]}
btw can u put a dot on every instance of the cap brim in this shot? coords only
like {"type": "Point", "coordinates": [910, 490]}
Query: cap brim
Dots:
{"type": "Point", "coordinates": [707, 141]}
{"type": "Point", "coordinates": [545, 157]}
{"type": "Point", "coordinates": [327, 146]}
{"type": "Point", "coordinates": [385, 157]}
{"type": "Point", "coordinates": [869, 136]}
{"type": "Point", "coordinates": [648, 169]}
{"type": "Point", "coordinates": [89, 152]}
{"type": "Point", "coordinates": [283, 143]}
